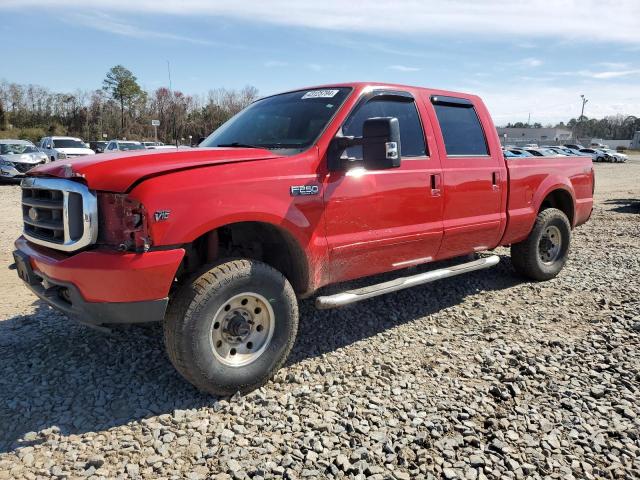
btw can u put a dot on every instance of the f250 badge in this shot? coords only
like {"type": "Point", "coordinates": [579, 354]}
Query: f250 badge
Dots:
{"type": "Point", "coordinates": [161, 215]}
{"type": "Point", "coordinates": [298, 190]}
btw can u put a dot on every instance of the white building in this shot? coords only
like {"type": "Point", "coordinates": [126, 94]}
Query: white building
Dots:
{"type": "Point", "coordinates": [534, 135]}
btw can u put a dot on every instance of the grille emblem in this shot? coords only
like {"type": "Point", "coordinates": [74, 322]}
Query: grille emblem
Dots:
{"type": "Point", "coordinates": [33, 214]}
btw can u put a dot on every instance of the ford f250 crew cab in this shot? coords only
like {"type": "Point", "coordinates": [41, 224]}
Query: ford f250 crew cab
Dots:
{"type": "Point", "coordinates": [299, 190]}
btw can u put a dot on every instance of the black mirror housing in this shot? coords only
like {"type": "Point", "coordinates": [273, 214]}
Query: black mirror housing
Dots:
{"type": "Point", "coordinates": [381, 143]}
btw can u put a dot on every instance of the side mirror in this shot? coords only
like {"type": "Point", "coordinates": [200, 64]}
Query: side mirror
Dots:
{"type": "Point", "coordinates": [48, 146]}
{"type": "Point", "coordinates": [380, 143]}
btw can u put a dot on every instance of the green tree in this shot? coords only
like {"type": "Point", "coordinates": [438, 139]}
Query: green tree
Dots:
{"type": "Point", "coordinates": [2, 117]}
{"type": "Point", "coordinates": [123, 87]}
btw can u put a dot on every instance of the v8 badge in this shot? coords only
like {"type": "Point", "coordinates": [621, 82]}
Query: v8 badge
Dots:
{"type": "Point", "coordinates": [161, 215]}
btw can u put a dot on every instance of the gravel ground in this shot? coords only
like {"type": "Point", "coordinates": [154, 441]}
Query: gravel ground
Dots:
{"type": "Point", "coordinates": [483, 376]}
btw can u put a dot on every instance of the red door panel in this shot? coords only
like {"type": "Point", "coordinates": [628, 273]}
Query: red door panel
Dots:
{"type": "Point", "coordinates": [382, 220]}
{"type": "Point", "coordinates": [472, 205]}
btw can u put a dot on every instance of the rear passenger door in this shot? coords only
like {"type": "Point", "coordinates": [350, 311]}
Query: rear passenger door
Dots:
{"type": "Point", "coordinates": [474, 179]}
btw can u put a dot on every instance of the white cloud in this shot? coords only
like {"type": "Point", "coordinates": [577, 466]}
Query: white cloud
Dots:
{"type": "Point", "coordinates": [403, 68]}
{"type": "Point", "coordinates": [601, 20]}
{"type": "Point", "coordinates": [612, 74]}
{"type": "Point", "coordinates": [549, 103]}
{"type": "Point", "coordinates": [529, 62]}
{"type": "Point", "coordinates": [275, 64]}
{"type": "Point", "coordinates": [106, 23]}
{"type": "Point", "coordinates": [614, 65]}
{"type": "Point", "coordinates": [599, 75]}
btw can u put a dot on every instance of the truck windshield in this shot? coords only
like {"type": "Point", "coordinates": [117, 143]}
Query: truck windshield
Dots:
{"type": "Point", "coordinates": [68, 143]}
{"type": "Point", "coordinates": [287, 121]}
{"type": "Point", "coordinates": [16, 148]}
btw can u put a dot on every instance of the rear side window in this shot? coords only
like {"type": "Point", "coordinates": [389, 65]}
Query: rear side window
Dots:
{"type": "Point", "coordinates": [461, 129]}
{"type": "Point", "coordinates": [412, 142]}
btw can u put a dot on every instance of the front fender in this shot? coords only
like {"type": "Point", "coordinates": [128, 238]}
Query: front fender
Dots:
{"type": "Point", "coordinates": [201, 200]}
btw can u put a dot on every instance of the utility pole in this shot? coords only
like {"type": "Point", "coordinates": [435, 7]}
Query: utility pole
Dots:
{"type": "Point", "coordinates": [584, 101]}
{"type": "Point", "coordinates": [175, 136]}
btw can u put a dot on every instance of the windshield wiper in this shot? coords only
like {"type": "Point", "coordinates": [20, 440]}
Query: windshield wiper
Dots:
{"type": "Point", "coordinates": [238, 145]}
{"type": "Point", "coordinates": [281, 145]}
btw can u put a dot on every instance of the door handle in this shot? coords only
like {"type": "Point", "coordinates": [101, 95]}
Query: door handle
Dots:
{"type": "Point", "coordinates": [435, 185]}
{"type": "Point", "coordinates": [495, 180]}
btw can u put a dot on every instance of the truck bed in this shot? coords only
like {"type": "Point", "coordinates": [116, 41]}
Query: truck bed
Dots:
{"type": "Point", "coordinates": [531, 179]}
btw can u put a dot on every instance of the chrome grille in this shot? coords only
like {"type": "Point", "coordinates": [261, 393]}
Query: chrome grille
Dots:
{"type": "Point", "coordinates": [58, 213]}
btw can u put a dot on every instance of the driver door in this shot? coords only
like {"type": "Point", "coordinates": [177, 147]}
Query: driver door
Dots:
{"type": "Point", "coordinates": [381, 220]}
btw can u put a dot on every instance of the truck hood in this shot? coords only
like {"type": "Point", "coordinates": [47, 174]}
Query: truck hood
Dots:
{"type": "Point", "coordinates": [33, 157]}
{"type": "Point", "coordinates": [117, 172]}
{"type": "Point", "coordinates": [75, 151]}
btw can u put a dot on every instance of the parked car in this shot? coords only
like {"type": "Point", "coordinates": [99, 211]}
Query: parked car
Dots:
{"type": "Point", "coordinates": [516, 153]}
{"type": "Point", "coordinates": [58, 148]}
{"type": "Point", "coordinates": [616, 156]}
{"type": "Point", "coordinates": [123, 145]}
{"type": "Point", "coordinates": [564, 150]}
{"type": "Point", "coordinates": [543, 152]}
{"type": "Point", "coordinates": [569, 151]}
{"type": "Point", "coordinates": [531, 145]}
{"type": "Point", "coordinates": [170, 147]}
{"type": "Point", "coordinates": [152, 144]}
{"type": "Point", "coordinates": [298, 191]}
{"type": "Point", "coordinates": [574, 146]}
{"type": "Point", "coordinates": [18, 157]}
{"type": "Point", "coordinates": [597, 155]}
{"type": "Point", "coordinates": [98, 146]}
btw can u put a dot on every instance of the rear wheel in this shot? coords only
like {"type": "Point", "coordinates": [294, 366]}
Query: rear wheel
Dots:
{"type": "Point", "coordinates": [232, 327]}
{"type": "Point", "coordinates": [544, 252]}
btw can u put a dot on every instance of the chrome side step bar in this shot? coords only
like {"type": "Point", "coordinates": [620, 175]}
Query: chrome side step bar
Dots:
{"type": "Point", "coordinates": [352, 296]}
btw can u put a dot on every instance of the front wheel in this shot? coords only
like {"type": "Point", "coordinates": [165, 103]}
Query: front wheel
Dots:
{"type": "Point", "coordinates": [231, 328]}
{"type": "Point", "coordinates": [544, 252]}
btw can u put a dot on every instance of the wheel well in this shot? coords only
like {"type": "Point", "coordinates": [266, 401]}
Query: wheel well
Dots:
{"type": "Point", "coordinates": [255, 240]}
{"type": "Point", "coordinates": [560, 199]}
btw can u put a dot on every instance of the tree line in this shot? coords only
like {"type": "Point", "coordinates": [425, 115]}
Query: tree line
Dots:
{"type": "Point", "coordinates": [615, 127]}
{"type": "Point", "coordinates": [122, 109]}
{"type": "Point", "coordinates": [119, 109]}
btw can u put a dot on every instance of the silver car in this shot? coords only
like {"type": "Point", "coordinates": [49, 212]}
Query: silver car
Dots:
{"type": "Point", "coordinates": [17, 157]}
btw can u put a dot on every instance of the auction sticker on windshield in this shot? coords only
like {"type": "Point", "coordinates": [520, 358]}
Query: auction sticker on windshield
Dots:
{"type": "Point", "coordinates": [320, 94]}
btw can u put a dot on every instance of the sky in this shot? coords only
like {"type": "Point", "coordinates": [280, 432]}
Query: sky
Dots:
{"type": "Point", "coordinates": [525, 58]}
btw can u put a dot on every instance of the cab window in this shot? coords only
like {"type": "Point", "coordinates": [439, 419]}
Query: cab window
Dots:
{"type": "Point", "coordinates": [412, 142]}
{"type": "Point", "coordinates": [461, 129]}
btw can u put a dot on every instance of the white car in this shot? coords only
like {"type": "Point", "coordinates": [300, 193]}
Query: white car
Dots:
{"type": "Point", "coordinates": [123, 146]}
{"type": "Point", "coordinates": [18, 157]}
{"type": "Point", "coordinates": [152, 144]}
{"type": "Point", "coordinates": [616, 156]}
{"type": "Point", "coordinates": [58, 148]}
{"type": "Point", "coordinates": [597, 155]}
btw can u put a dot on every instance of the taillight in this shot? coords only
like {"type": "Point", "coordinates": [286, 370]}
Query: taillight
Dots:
{"type": "Point", "coordinates": [122, 222]}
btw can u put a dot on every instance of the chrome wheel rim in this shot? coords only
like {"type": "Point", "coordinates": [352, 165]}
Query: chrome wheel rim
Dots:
{"type": "Point", "coordinates": [550, 244]}
{"type": "Point", "coordinates": [242, 329]}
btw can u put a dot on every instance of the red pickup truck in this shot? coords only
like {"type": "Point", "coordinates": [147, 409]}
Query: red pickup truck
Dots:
{"type": "Point", "coordinates": [299, 190]}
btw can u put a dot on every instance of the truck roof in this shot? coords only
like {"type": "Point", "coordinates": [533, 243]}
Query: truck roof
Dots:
{"type": "Point", "coordinates": [364, 85]}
